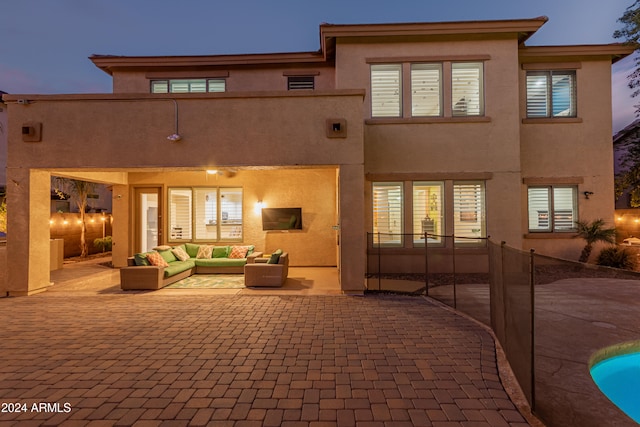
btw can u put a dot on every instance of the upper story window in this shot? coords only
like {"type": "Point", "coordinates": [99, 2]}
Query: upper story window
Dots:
{"type": "Point", "coordinates": [467, 96]}
{"type": "Point", "coordinates": [188, 86]}
{"type": "Point", "coordinates": [551, 94]}
{"type": "Point", "coordinates": [386, 90]}
{"type": "Point", "coordinates": [300, 82]}
{"type": "Point", "coordinates": [424, 94]}
{"type": "Point", "coordinates": [426, 90]}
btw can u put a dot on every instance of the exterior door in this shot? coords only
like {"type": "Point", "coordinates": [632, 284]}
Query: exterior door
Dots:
{"type": "Point", "coordinates": [148, 214]}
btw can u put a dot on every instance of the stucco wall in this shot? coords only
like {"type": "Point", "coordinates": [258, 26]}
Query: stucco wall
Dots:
{"type": "Point", "coordinates": [274, 129]}
{"type": "Point", "coordinates": [445, 147]}
{"type": "Point", "coordinates": [581, 150]}
{"type": "Point", "coordinates": [238, 80]}
{"type": "Point", "coordinates": [4, 134]}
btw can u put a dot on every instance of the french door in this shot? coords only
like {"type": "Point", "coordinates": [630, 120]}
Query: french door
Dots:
{"type": "Point", "coordinates": [148, 218]}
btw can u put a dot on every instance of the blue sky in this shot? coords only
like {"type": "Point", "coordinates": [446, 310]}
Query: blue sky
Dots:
{"type": "Point", "coordinates": [44, 44]}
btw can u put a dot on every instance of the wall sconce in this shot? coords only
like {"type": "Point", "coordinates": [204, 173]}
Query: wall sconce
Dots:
{"type": "Point", "coordinates": [587, 194]}
{"type": "Point", "coordinates": [258, 207]}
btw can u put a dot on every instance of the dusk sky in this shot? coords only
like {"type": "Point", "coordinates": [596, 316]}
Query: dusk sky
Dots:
{"type": "Point", "coordinates": [45, 44]}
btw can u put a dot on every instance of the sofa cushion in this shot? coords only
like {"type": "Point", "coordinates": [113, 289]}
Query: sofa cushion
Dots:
{"type": "Point", "coordinates": [238, 252]}
{"type": "Point", "coordinates": [180, 253]}
{"type": "Point", "coordinates": [141, 259]}
{"type": "Point", "coordinates": [168, 255]}
{"type": "Point", "coordinates": [156, 259]}
{"type": "Point", "coordinates": [178, 267]}
{"type": "Point", "coordinates": [220, 252]}
{"type": "Point", "coordinates": [275, 257]}
{"type": "Point", "coordinates": [221, 262]}
{"type": "Point", "coordinates": [204, 252]}
{"type": "Point", "coordinates": [192, 249]}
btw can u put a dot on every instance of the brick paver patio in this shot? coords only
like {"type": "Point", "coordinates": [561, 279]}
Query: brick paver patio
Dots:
{"type": "Point", "coordinates": [156, 359]}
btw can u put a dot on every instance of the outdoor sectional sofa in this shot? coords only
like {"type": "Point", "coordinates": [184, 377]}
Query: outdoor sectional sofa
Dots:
{"type": "Point", "coordinates": [179, 262]}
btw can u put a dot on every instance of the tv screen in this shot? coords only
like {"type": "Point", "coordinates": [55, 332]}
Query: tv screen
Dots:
{"type": "Point", "coordinates": [282, 219]}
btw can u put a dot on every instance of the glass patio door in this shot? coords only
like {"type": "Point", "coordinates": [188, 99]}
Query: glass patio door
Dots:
{"type": "Point", "coordinates": [148, 214]}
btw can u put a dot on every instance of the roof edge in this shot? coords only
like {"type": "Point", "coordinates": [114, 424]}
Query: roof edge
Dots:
{"type": "Point", "coordinates": [615, 51]}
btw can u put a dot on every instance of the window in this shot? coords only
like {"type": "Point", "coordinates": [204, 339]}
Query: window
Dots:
{"type": "Point", "coordinates": [552, 208]}
{"type": "Point", "coordinates": [551, 94]}
{"type": "Point", "coordinates": [468, 212]}
{"type": "Point", "coordinates": [180, 214]}
{"type": "Point", "coordinates": [428, 212]}
{"type": "Point", "coordinates": [205, 214]}
{"type": "Point", "coordinates": [300, 82]}
{"type": "Point", "coordinates": [426, 90]}
{"type": "Point", "coordinates": [387, 213]}
{"type": "Point", "coordinates": [467, 98]}
{"type": "Point", "coordinates": [386, 87]}
{"type": "Point", "coordinates": [188, 86]}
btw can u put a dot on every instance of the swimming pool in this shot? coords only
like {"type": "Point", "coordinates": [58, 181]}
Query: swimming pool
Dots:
{"type": "Point", "coordinates": [616, 372]}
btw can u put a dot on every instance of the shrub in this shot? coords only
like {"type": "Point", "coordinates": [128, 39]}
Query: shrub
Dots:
{"type": "Point", "coordinates": [103, 243]}
{"type": "Point", "coordinates": [616, 257]}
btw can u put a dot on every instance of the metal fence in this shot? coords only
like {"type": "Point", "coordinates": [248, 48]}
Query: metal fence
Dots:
{"type": "Point", "coordinates": [512, 299]}
{"type": "Point", "coordinates": [439, 266]}
{"type": "Point", "coordinates": [548, 314]}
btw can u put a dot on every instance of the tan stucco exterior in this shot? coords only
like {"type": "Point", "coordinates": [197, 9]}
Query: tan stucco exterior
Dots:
{"type": "Point", "coordinates": [282, 151]}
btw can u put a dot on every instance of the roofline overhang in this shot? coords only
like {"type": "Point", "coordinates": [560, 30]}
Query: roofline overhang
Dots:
{"type": "Point", "coordinates": [613, 52]}
{"type": "Point", "coordinates": [108, 63]}
{"type": "Point", "coordinates": [520, 28]}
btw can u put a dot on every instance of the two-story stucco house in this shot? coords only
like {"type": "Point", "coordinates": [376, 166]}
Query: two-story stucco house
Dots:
{"type": "Point", "coordinates": [454, 128]}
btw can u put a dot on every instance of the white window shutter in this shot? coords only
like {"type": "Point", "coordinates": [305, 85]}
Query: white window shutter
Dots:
{"type": "Point", "coordinates": [386, 90]}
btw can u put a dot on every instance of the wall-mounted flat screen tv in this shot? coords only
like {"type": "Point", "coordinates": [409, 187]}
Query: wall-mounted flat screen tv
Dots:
{"type": "Point", "coordinates": [282, 219]}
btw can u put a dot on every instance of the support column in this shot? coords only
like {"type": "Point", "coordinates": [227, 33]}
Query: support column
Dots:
{"type": "Point", "coordinates": [353, 247]}
{"type": "Point", "coordinates": [122, 230]}
{"type": "Point", "coordinates": [28, 246]}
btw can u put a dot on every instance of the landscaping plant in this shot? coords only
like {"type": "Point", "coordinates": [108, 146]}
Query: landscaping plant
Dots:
{"type": "Point", "coordinates": [593, 232]}
{"type": "Point", "coordinates": [81, 189]}
{"type": "Point", "coordinates": [616, 257]}
{"type": "Point", "coordinates": [103, 243]}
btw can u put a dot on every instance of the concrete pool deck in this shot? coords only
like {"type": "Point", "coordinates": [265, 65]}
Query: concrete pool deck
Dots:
{"type": "Point", "coordinates": [574, 319]}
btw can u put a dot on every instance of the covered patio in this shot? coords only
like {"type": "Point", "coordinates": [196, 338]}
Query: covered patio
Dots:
{"type": "Point", "coordinates": [281, 148]}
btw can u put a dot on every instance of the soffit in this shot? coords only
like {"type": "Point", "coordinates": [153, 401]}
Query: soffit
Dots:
{"type": "Point", "coordinates": [611, 52]}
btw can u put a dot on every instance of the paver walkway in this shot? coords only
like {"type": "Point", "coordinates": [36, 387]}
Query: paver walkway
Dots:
{"type": "Point", "coordinates": [148, 359]}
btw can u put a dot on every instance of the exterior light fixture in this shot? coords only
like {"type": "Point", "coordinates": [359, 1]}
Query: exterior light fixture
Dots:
{"type": "Point", "coordinates": [587, 194]}
{"type": "Point", "coordinates": [175, 137]}
{"type": "Point", "coordinates": [258, 207]}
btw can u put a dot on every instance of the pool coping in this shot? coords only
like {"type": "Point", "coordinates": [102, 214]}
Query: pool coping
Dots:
{"type": "Point", "coordinates": [620, 349]}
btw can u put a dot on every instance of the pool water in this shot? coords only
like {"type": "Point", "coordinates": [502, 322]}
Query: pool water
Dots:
{"type": "Point", "coordinates": [618, 378]}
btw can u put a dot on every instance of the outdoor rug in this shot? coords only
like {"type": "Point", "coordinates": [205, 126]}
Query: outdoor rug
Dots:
{"type": "Point", "coordinates": [210, 281]}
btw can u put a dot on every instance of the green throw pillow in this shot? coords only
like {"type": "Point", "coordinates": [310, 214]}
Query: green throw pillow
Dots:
{"type": "Point", "coordinates": [192, 249]}
{"type": "Point", "coordinates": [275, 257]}
{"type": "Point", "coordinates": [168, 255]}
{"type": "Point", "coordinates": [220, 252]}
{"type": "Point", "coordinates": [141, 259]}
